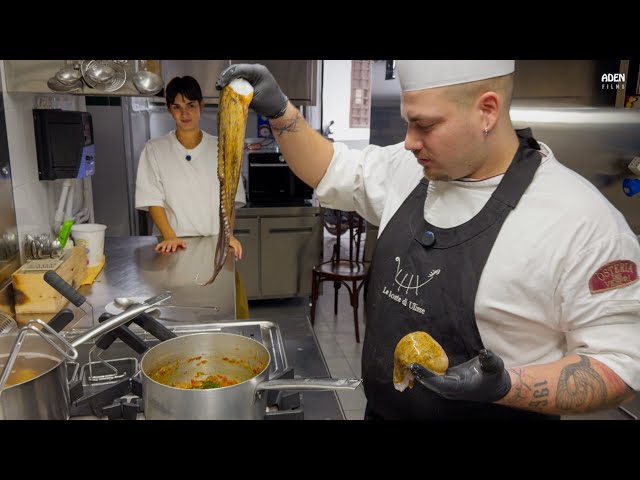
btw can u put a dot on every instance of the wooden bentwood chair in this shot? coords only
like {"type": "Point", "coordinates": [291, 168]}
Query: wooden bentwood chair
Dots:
{"type": "Point", "coordinates": [348, 272]}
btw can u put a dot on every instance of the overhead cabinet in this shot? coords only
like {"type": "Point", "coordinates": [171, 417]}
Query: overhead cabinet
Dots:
{"type": "Point", "coordinates": [206, 72]}
{"type": "Point", "coordinates": [297, 78]}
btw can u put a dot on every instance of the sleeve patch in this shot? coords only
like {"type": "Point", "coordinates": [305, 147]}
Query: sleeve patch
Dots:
{"type": "Point", "coordinates": [614, 274]}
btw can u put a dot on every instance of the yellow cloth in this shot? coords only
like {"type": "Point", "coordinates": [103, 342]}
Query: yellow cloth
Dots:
{"type": "Point", "coordinates": [92, 272]}
{"type": "Point", "coordinates": [242, 304]}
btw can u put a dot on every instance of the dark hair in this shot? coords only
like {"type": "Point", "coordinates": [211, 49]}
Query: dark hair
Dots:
{"type": "Point", "coordinates": [187, 86]}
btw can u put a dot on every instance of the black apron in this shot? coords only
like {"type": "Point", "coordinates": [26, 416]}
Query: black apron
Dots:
{"type": "Point", "coordinates": [425, 278]}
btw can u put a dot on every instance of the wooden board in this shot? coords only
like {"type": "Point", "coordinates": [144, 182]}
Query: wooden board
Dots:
{"type": "Point", "coordinates": [34, 295]}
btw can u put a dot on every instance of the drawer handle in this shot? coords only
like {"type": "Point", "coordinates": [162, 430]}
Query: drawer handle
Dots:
{"type": "Point", "coordinates": [242, 231]}
{"type": "Point", "coordinates": [290, 230]}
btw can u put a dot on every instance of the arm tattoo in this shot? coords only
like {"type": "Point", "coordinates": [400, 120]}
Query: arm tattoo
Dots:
{"type": "Point", "coordinates": [579, 386]}
{"type": "Point", "coordinates": [290, 126]}
{"type": "Point", "coordinates": [520, 385]}
{"type": "Point", "coordinates": [540, 394]}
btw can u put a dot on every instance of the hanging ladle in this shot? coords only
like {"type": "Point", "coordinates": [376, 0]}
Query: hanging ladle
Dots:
{"type": "Point", "coordinates": [147, 83]}
{"type": "Point", "coordinates": [100, 72]}
{"type": "Point", "coordinates": [69, 75]}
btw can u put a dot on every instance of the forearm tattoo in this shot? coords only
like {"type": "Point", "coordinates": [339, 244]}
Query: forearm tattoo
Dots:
{"type": "Point", "coordinates": [580, 386]}
{"type": "Point", "coordinates": [540, 394]}
{"type": "Point", "coordinates": [289, 126]}
{"type": "Point", "coordinates": [520, 385]}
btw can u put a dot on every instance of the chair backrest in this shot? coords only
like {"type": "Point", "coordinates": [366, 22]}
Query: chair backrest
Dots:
{"type": "Point", "coordinates": [349, 225]}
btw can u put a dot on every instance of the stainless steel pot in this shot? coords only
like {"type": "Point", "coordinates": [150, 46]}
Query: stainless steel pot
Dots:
{"type": "Point", "coordinates": [199, 355]}
{"type": "Point", "coordinates": [44, 395]}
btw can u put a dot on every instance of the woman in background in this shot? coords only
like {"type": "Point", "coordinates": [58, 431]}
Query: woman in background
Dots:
{"type": "Point", "coordinates": [177, 181]}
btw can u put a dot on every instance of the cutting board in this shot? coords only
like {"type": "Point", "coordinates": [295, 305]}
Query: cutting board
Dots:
{"type": "Point", "coordinates": [34, 295]}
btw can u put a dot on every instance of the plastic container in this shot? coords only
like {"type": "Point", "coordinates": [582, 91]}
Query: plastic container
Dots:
{"type": "Point", "coordinates": [91, 236]}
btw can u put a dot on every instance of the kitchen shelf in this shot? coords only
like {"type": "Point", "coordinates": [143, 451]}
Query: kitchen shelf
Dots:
{"type": "Point", "coordinates": [31, 76]}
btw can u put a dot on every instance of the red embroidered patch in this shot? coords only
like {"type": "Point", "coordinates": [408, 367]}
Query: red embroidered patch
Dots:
{"type": "Point", "coordinates": [613, 275]}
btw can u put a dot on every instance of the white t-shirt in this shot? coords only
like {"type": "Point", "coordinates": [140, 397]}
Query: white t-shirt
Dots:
{"type": "Point", "coordinates": [189, 191]}
{"type": "Point", "coordinates": [534, 303]}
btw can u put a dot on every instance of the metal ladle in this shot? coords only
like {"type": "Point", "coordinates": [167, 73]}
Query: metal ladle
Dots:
{"type": "Point", "coordinates": [69, 75]}
{"type": "Point", "coordinates": [100, 72]}
{"type": "Point", "coordinates": [124, 303]}
{"type": "Point", "coordinates": [147, 83]}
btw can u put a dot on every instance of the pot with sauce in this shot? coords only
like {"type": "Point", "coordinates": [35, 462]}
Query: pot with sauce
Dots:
{"type": "Point", "coordinates": [37, 384]}
{"type": "Point", "coordinates": [215, 376]}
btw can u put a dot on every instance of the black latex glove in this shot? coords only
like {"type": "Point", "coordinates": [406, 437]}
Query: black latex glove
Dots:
{"type": "Point", "coordinates": [268, 100]}
{"type": "Point", "coordinates": [481, 379]}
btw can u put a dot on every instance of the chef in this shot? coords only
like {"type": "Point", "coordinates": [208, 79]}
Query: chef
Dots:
{"type": "Point", "coordinates": [519, 267]}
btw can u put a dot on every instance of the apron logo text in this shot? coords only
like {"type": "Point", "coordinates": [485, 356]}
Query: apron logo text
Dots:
{"type": "Point", "coordinates": [403, 301]}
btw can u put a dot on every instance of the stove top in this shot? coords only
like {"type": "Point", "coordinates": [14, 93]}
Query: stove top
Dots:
{"type": "Point", "coordinates": [106, 383]}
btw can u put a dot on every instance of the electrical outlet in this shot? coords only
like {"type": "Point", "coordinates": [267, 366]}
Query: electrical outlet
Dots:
{"type": "Point", "coordinates": [634, 166]}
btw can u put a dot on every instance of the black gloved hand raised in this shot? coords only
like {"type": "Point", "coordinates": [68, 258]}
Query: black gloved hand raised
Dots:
{"type": "Point", "coordinates": [481, 379]}
{"type": "Point", "coordinates": [268, 99]}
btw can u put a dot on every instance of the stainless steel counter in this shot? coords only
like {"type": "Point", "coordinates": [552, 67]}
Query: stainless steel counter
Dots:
{"type": "Point", "coordinates": [134, 269]}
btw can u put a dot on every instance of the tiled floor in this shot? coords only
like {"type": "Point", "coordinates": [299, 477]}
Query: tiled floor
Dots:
{"type": "Point", "coordinates": [336, 334]}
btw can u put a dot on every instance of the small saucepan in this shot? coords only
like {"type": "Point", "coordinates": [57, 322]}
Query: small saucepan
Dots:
{"type": "Point", "coordinates": [215, 376]}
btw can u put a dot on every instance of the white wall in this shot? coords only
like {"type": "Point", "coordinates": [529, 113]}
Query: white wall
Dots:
{"type": "Point", "coordinates": [35, 200]}
{"type": "Point", "coordinates": [336, 101]}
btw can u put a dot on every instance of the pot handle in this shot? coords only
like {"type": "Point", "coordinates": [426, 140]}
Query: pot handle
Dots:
{"type": "Point", "coordinates": [311, 384]}
{"type": "Point", "coordinates": [120, 319]}
{"type": "Point", "coordinates": [71, 355]}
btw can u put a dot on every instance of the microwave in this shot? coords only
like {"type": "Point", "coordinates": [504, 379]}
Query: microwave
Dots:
{"type": "Point", "coordinates": [271, 181]}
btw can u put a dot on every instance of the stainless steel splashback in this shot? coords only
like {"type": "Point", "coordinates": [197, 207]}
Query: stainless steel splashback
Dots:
{"type": "Point", "coordinates": [598, 142]}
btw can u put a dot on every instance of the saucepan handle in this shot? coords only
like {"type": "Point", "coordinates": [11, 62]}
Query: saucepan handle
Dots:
{"type": "Point", "coordinates": [72, 353]}
{"type": "Point", "coordinates": [120, 319]}
{"type": "Point", "coordinates": [311, 384]}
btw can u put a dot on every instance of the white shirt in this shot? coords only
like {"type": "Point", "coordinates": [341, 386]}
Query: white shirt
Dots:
{"type": "Point", "coordinates": [533, 303]}
{"type": "Point", "coordinates": [189, 191]}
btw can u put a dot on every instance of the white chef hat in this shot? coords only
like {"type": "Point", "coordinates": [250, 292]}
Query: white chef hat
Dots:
{"type": "Point", "coordinates": [421, 74]}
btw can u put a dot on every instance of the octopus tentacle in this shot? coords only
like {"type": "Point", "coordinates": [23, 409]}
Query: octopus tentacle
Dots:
{"type": "Point", "coordinates": [232, 121]}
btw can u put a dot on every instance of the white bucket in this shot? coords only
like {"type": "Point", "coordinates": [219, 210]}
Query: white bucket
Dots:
{"type": "Point", "coordinates": [91, 236]}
